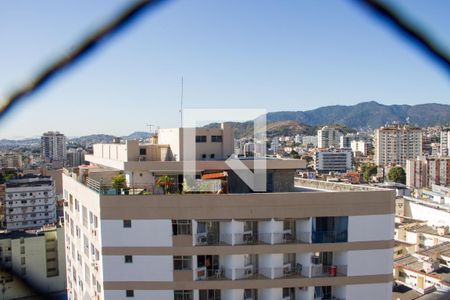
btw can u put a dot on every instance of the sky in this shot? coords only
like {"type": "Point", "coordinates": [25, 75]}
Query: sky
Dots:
{"type": "Point", "coordinates": [273, 55]}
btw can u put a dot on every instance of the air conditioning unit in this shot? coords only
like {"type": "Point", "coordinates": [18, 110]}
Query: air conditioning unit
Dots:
{"type": "Point", "coordinates": [202, 239]}
{"type": "Point", "coordinates": [248, 271]}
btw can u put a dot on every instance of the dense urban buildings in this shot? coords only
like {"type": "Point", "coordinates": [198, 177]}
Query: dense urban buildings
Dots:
{"type": "Point", "coordinates": [439, 171]}
{"type": "Point", "coordinates": [160, 236]}
{"type": "Point", "coordinates": [75, 157]}
{"type": "Point", "coordinates": [417, 173]}
{"type": "Point", "coordinates": [53, 146]}
{"type": "Point", "coordinates": [29, 202]}
{"type": "Point", "coordinates": [396, 143]}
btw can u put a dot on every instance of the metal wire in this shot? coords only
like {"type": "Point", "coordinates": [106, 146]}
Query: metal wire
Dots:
{"type": "Point", "coordinates": [387, 13]}
{"type": "Point", "coordinates": [86, 46]}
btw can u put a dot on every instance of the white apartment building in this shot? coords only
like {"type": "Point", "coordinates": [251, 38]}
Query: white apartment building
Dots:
{"type": "Point", "coordinates": [445, 142]}
{"type": "Point", "coordinates": [29, 202]}
{"type": "Point", "coordinates": [359, 147]}
{"type": "Point", "coordinates": [309, 140]}
{"type": "Point", "coordinates": [300, 240]}
{"type": "Point", "coordinates": [329, 137]}
{"type": "Point", "coordinates": [53, 146]}
{"type": "Point", "coordinates": [394, 144]}
{"type": "Point", "coordinates": [33, 263]}
{"type": "Point", "coordinates": [326, 161]}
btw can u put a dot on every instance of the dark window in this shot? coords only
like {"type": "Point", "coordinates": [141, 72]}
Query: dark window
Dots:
{"type": "Point", "coordinates": [127, 223]}
{"type": "Point", "coordinates": [142, 151]}
{"type": "Point", "coordinates": [128, 259]}
{"type": "Point", "coordinates": [129, 293]}
{"type": "Point", "coordinates": [182, 262]}
{"type": "Point", "coordinates": [216, 138]}
{"type": "Point", "coordinates": [329, 230]}
{"type": "Point", "coordinates": [200, 138]}
{"type": "Point", "coordinates": [203, 156]}
{"type": "Point", "coordinates": [212, 155]}
{"type": "Point", "coordinates": [181, 227]}
{"type": "Point", "coordinates": [182, 295]}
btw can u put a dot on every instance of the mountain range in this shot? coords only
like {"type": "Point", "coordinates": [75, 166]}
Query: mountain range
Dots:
{"type": "Point", "coordinates": [368, 115]}
{"type": "Point", "coordinates": [365, 115]}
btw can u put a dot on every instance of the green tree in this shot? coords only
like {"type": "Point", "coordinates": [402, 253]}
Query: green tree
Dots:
{"type": "Point", "coordinates": [368, 170]}
{"type": "Point", "coordinates": [118, 182]}
{"type": "Point", "coordinates": [397, 174]}
{"type": "Point", "coordinates": [294, 154]}
{"type": "Point", "coordinates": [165, 182]}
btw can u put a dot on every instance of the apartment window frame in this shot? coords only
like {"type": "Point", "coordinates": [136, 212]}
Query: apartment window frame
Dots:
{"type": "Point", "coordinates": [183, 295]}
{"type": "Point", "coordinates": [182, 263]}
{"type": "Point", "coordinates": [200, 139]}
{"type": "Point", "coordinates": [142, 151]}
{"type": "Point", "coordinates": [129, 293]}
{"type": "Point", "coordinates": [181, 227]}
{"type": "Point", "coordinates": [127, 224]}
{"type": "Point", "coordinates": [128, 259]}
{"type": "Point", "coordinates": [216, 139]}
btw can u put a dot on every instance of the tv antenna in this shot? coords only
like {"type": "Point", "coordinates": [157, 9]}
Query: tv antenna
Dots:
{"type": "Point", "coordinates": [181, 101]}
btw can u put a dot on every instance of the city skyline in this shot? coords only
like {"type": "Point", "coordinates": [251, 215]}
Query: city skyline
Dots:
{"type": "Point", "coordinates": [277, 57]}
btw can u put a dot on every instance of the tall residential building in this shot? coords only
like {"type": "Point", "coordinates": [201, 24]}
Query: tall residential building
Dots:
{"type": "Point", "coordinates": [53, 146]}
{"type": "Point", "coordinates": [162, 237]}
{"type": "Point", "coordinates": [309, 140]}
{"type": "Point", "coordinates": [11, 160]}
{"type": "Point", "coordinates": [439, 171]}
{"type": "Point", "coordinates": [75, 157]}
{"type": "Point", "coordinates": [329, 137]}
{"type": "Point", "coordinates": [29, 202]}
{"type": "Point", "coordinates": [359, 147]}
{"type": "Point", "coordinates": [326, 161]}
{"type": "Point", "coordinates": [417, 173]}
{"type": "Point", "coordinates": [445, 142]}
{"type": "Point", "coordinates": [394, 144]}
{"type": "Point", "coordinates": [33, 263]}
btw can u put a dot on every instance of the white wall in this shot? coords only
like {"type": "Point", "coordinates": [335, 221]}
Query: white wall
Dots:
{"type": "Point", "coordinates": [143, 233]}
{"type": "Point", "coordinates": [140, 294]}
{"type": "Point", "coordinates": [371, 228]}
{"type": "Point", "coordinates": [143, 268]}
{"type": "Point", "coordinates": [369, 262]}
{"type": "Point", "coordinates": [374, 291]}
{"type": "Point", "coordinates": [271, 294]}
{"type": "Point", "coordinates": [232, 294]}
{"type": "Point", "coordinates": [433, 216]}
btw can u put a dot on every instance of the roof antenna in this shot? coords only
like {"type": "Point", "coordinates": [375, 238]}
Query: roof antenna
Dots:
{"type": "Point", "coordinates": [181, 100]}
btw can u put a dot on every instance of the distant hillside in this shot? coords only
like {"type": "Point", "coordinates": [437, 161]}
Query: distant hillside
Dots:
{"type": "Point", "coordinates": [274, 129]}
{"type": "Point", "coordinates": [368, 115]}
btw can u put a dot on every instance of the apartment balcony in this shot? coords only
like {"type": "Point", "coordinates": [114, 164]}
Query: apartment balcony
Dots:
{"type": "Point", "coordinates": [250, 238]}
{"type": "Point", "coordinates": [249, 272]}
{"type": "Point", "coordinates": [327, 271]}
{"type": "Point", "coordinates": [329, 236]}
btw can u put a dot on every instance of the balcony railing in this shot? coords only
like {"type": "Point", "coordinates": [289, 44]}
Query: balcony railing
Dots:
{"type": "Point", "coordinates": [328, 270]}
{"type": "Point", "coordinates": [329, 236]}
{"type": "Point", "coordinates": [250, 238]}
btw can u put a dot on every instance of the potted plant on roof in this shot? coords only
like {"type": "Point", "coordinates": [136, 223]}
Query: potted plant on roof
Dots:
{"type": "Point", "coordinates": [118, 182]}
{"type": "Point", "coordinates": [165, 182]}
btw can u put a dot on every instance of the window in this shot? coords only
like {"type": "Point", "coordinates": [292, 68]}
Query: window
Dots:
{"type": "Point", "coordinates": [182, 262]}
{"type": "Point", "coordinates": [142, 151]}
{"type": "Point", "coordinates": [129, 293]}
{"type": "Point", "coordinates": [127, 223]}
{"type": "Point", "coordinates": [128, 259]}
{"type": "Point", "coordinates": [203, 156]}
{"type": "Point", "coordinates": [200, 138]}
{"type": "Point", "coordinates": [212, 155]}
{"type": "Point", "coordinates": [182, 295]}
{"type": "Point", "coordinates": [181, 227]}
{"type": "Point", "coordinates": [209, 294]}
{"type": "Point", "coordinates": [216, 138]}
